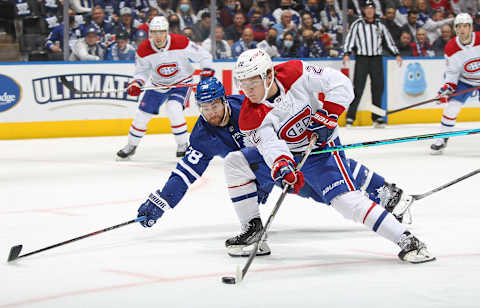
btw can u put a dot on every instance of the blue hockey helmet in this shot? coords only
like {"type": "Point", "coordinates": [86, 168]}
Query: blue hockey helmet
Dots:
{"type": "Point", "coordinates": [209, 91]}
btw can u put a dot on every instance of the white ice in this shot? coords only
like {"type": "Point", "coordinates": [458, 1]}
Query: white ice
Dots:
{"type": "Point", "coordinates": [52, 190]}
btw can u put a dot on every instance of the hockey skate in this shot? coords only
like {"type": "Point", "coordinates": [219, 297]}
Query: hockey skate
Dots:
{"type": "Point", "coordinates": [182, 149]}
{"type": "Point", "coordinates": [349, 122]}
{"type": "Point", "coordinates": [413, 250]}
{"type": "Point", "coordinates": [396, 202]}
{"type": "Point", "coordinates": [439, 145]}
{"type": "Point", "coordinates": [378, 123]}
{"type": "Point", "coordinates": [126, 152]}
{"type": "Point", "coordinates": [242, 244]}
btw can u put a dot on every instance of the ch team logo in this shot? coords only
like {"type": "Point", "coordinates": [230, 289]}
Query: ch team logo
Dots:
{"type": "Point", "coordinates": [295, 130]}
{"type": "Point", "coordinates": [10, 93]}
{"type": "Point", "coordinates": [472, 66]}
{"type": "Point", "coordinates": [167, 70]}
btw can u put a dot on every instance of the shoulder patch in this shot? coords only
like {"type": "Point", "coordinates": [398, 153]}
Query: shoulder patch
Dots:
{"type": "Point", "coordinates": [178, 41]}
{"type": "Point", "coordinates": [289, 72]}
{"type": "Point", "coordinates": [252, 115]}
{"type": "Point", "coordinates": [452, 47]}
{"type": "Point", "coordinates": [145, 49]}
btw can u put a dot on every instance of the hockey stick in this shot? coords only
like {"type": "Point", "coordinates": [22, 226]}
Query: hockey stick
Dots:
{"type": "Point", "coordinates": [428, 193]}
{"type": "Point", "coordinates": [69, 85]}
{"type": "Point", "coordinates": [381, 112]}
{"type": "Point", "coordinates": [241, 274]}
{"type": "Point", "coordinates": [399, 140]}
{"type": "Point", "coordinates": [406, 206]}
{"type": "Point", "coordinates": [15, 250]}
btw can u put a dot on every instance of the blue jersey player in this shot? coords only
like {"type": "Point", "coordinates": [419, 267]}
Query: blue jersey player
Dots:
{"type": "Point", "coordinates": [217, 133]}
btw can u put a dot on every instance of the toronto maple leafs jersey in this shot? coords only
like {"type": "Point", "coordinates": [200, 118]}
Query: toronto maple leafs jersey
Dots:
{"type": "Point", "coordinates": [206, 142]}
{"type": "Point", "coordinates": [280, 128]}
{"type": "Point", "coordinates": [463, 61]}
{"type": "Point", "coordinates": [171, 64]}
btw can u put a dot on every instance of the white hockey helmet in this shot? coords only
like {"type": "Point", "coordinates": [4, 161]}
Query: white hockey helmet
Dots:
{"type": "Point", "coordinates": [158, 23]}
{"type": "Point", "coordinates": [463, 18]}
{"type": "Point", "coordinates": [251, 63]}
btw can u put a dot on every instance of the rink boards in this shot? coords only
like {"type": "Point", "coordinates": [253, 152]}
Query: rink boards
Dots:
{"type": "Point", "coordinates": [34, 103]}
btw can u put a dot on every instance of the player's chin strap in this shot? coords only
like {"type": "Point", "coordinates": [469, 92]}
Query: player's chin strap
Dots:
{"type": "Point", "coordinates": [265, 84]}
{"type": "Point", "coordinates": [226, 114]}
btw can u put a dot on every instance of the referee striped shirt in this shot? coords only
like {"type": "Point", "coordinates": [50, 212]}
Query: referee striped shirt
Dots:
{"type": "Point", "coordinates": [366, 38]}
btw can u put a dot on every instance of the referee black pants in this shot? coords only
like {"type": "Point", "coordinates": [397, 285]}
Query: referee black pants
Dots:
{"type": "Point", "coordinates": [365, 65]}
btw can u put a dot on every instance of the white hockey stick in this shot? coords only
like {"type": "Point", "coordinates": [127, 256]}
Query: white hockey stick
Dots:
{"type": "Point", "coordinates": [376, 110]}
{"type": "Point", "coordinates": [69, 85]}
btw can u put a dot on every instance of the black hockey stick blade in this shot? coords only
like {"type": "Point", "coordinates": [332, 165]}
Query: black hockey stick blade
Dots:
{"type": "Point", "coordinates": [14, 252]}
{"type": "Point", "coordinates": [69, 85]}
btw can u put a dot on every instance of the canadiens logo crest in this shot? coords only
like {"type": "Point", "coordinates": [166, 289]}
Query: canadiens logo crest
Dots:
{"type": "Point", "coordinates": [167, 70]}
{"type": "Point", "coordinates": [295, 130]}
{"type": "Point", "coordinates": [472, 66]}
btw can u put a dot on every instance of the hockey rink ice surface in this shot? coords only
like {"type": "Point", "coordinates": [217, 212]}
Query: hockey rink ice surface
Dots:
{"type": "Point", "coordinates": [52, 190]}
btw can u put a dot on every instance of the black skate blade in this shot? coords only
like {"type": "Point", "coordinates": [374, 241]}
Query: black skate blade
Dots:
{"type": "Point", "coordinates": [14, 252]}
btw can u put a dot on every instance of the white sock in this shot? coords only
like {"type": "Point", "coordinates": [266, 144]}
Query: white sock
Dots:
{"type": "Point", "coordinates": [178, 123]}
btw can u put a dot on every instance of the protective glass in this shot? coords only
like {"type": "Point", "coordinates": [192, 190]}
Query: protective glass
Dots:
{"type": "Point", "coordinates": [250, 82]}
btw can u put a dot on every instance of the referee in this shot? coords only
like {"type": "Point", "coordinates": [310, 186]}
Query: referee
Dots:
{"type": "Point", "coordinates": [365, 36]}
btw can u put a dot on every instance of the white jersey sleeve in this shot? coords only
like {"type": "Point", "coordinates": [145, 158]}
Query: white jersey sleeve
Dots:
{"type": "Point", "coordinates": [80, 51]}
{"type": "Point", "coordinates": [335, 86]}
{"type": "Point", "coordinates": [453, 70]}
{"type": "Point", "coordinates": [199, 55]}
{"type": "Point", "coordinates": [269, 145]}
{"type": "Point", "coordinates": [143, 68]}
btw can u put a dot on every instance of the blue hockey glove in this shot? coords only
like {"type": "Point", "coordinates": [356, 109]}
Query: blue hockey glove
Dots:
{"type": "Point", "coordinates": [206, 73]}
{"type": "Point", "coordinates": [323, 125]}
{"type": "Point", "coordinates": [153, 209]}
{"type": "Point", "coordinates": [283, 171]}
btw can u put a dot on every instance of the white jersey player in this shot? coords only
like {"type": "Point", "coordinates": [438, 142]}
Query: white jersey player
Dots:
{"type": "Point", "coordinates": [462, 54]}
{"type": "Point", "coordinates": [163, 60]}
{"type": "Point", "coordinates": [285, 105]}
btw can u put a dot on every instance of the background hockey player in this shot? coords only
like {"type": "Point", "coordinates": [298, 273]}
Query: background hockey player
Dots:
{"type": "Point", "coordinates": [216, 133]}
{"type": "Point", "coordinates": [462, 54]}
{"type": "Point", "coordinates": [287, 103]}
{"type": "Point", "coordinates": [163, 60]}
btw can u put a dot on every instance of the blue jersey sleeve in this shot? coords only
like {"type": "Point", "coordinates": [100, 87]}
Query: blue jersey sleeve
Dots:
{"type": "Point", "coordinates": [198, 156]}
{"type": "Point", "coordinates": [55, 35]}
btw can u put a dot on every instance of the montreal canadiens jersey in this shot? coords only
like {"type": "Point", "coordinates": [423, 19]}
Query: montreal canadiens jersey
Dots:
{"type": "Point", "coordinates": [171, 64]}
{"type": "Point", "coordinates": [463, 61]}
{"type": "Point", "coordinates": [206, 142]}
{"type": "Point", "coordinates": [280, 128]}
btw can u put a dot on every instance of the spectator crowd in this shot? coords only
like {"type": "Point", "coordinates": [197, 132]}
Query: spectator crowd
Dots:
{"type": "Point", "coordinates": [112, 30]}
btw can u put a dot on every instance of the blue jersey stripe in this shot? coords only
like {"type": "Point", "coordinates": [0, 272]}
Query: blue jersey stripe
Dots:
{"type": "Point", "coordinates": [448, 125]}
{"type": "Point", "coordinates": [243, 197]}
{"type": "Point", "coordinates": [135, 135]}
{"type": "Point", "coordinates": [181, 133]}
{"type": "Point", "coordinates": [379, 220]}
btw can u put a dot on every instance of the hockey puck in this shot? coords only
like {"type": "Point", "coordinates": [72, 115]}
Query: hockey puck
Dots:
{"type": "Point", "coordinates": [228, 280]}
